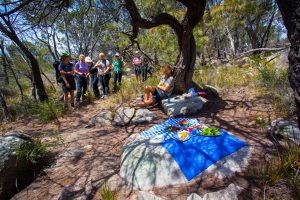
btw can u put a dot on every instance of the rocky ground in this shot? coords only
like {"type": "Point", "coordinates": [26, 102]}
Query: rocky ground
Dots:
{"type": "Point", "coordinates": [89, 156]}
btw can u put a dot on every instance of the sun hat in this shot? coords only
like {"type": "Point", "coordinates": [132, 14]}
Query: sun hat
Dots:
{"type": "Point", "coordinates": [117, 54]}
{"type": "Point", "coordinates": [136, 61]}
{"type": "Point", "coordinates": [88, 59]}
{"type": "Point", "coordinates": [64, 55]}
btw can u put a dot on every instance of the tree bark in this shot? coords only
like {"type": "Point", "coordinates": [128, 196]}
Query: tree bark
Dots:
{"type": "Point", "coordinates": [184, 68]}
{"type": "Point", "coordinates": [34, 63]}
{"type": "Point", "coordinates": [290, 11]}
{"type": "Point", "coordinates": [5, 112]}
{"type": "Point", "coordinates": [5, 64]}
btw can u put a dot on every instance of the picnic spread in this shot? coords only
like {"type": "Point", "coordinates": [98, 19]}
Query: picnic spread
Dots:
{"type": "Point", "coordinates": [192, 144]}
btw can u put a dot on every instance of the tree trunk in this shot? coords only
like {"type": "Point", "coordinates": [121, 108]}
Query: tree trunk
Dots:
{"type": "Point", "coordinates": [34, 68]}
{"type": "Point", "coordinates": [5, 64]}
{"type": "Point", "coordinates": [184, 67]}
{"type": "Point", "coordinates": [290, 11]}
{"type": "Point", "coordinates": [4, 107]}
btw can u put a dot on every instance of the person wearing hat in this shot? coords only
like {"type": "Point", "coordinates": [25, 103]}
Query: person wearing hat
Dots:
{"type": "Point", "coordinates": [66, 70]}
{"type": "Point", "coordinates": [103, 67]}
{"type": "Point", "coordinates": [117, 66]}
{"type": "Point", "coordinates": [81, 71]}
{"type": "Point", "coordinates": [136, 62]}
{"type": "Point", "coordinates": [93, 71]}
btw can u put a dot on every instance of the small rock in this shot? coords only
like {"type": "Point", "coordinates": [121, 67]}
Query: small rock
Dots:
{"type": "Point", "coordinates": [286, 128]}
{"type": "Point", "coordinates": [142, 116]}
{"type": "Point", "coordinates": [194, 196]}
{"type": "Point", "coordinates": [183, 105]}
{"type": "Point", "coordinates": [123, 116]}
{"type": "Point", "coordinates": [211, 90]}
{"type": "Point", "coordinates": [142, 195]}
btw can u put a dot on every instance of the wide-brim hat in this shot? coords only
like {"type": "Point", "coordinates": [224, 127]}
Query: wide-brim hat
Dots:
{"type": "Point", "coordinates": [88, 59]}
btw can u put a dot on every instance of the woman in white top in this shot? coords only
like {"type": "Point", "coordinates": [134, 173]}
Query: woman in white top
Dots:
{"type": "Point", "coordinates": [103, 67]}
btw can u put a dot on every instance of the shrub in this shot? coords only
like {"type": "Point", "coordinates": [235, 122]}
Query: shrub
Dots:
{"type": "Point", "coordinates": [284, 167]}
{"type": "Point", "coordinates": [106, 192]}
{"type": "Point", "coordinates": [31, 151]}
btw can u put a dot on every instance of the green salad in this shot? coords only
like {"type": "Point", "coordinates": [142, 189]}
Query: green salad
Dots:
{"type": "Point", "coordinates": [211, 131]}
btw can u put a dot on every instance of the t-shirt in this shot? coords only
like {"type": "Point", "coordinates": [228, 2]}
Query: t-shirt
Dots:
{"type": "Point", "coordinates": [82, 67]}
{"type": "Point", "coordinates": [118, 65]}
{"type": "Point", "coordinates": [167, 82]}
{"type": "Point", "coordinates": [66, 68]}
{"type": "Point", "coordinates": [103, 64]}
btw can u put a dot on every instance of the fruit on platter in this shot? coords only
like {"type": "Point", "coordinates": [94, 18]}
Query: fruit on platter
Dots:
{"type": "Point", "coordinates": [183, 122]}
{"type": "Point", "coordinates": [173, 128]}
{"type": "Point", "coordinates": [200, 126]}
{"type": "Point", "coordinates": [182, 135]}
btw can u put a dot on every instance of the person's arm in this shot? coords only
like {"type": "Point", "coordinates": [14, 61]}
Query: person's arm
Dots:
{"type": "Point", "coordinates": [107, 68]}
{"type": "Point", "coordinates": [62, 72]}
{"type": "Point", "coordinates": [76, 69]}
{"type": "Point", "coordinates": [164, 88]}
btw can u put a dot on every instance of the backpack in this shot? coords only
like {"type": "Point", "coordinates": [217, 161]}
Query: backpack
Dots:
{"type": "Point", "coordinates": [57, 72]}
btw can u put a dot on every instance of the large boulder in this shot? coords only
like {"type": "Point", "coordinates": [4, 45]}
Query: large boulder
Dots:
{"type": "Point", "coordinates": [123, 116]}
{"type": "Point", "coordinates": [101, 119]}
{"type": "Point", "coordinates": [183, 105]}
{"type": "Point", "coordinates": [9, 169]}
{"type": "Point", "coordinates": [143, 116]}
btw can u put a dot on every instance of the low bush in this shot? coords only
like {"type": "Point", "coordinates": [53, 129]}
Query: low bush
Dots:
{"type": "Point", "coordinates": [106, 192]}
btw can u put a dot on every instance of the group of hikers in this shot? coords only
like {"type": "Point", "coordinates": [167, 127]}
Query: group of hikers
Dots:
{"type": "Point", "coordinates": [84, 73]}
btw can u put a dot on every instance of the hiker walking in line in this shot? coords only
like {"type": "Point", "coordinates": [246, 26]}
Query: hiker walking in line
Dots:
{"type": "Point", "coordinates": [58, 77]}
{"type": "Point", "coordinates": [93, 72]}
{"type": "Point", "coordinates": [103, 67]}
{"type": "Point", "coordinates": [144, 69]}
{"type": "Point", "coordinates": [66, 69]}
{"type": "Point", "coordinates": [117, 65]}
{"type": "Point", "coordinates": [81, 71]}
{"type": "Point", "coordinates": [136, 62]}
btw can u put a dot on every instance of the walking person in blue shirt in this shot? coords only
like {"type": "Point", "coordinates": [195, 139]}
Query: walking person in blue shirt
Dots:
{"type": "Point", "coordinates": [81, 71]}
{"type": "Point", "coordinates": [66, 69]}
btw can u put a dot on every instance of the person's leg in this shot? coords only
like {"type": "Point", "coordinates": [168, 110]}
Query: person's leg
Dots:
{"type": "Point", "coordinates": [107, 79]}
{"type": "Point", "coordinates": [148, 90]}
{"type": "Point", "coordinates": [95, 85]}
{"type": "Point", "coordinates": [101, 79]}
{"type": "Point", "coordinates": [120, 77]}
{"type": "Point", "coordinates": [116, 76]}
{"type": "Point", "coordinates": [78, 89]}
{"type": "Point", "coordinates": [66, 94]}
{"type": "Point", "coordinates": [84, 87]}
{"type": "Point", "coordinates": [143, 73]}
{"type": "Point", "coordinates": [72, 93]}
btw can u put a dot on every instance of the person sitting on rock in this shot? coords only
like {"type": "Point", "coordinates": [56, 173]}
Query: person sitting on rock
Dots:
{"type": "Point", "coordinates": [162, 91]}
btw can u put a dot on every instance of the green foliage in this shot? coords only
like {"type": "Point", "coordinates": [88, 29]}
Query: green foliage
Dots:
{"type": "Point", "coordinates": [31, 151]}
{"type": "Point", "coordinates": [43, 111]}
{"type": "Point", "coordinates": [210, 131]}
{"type": "Point", "coordinates": [274, 81]}
{"type": "Point", "coordinates": [284, 166]}
{"type": "Point", "coordinates": [106, 192]}
{"type": "Point", "coordinates": [89, 96]}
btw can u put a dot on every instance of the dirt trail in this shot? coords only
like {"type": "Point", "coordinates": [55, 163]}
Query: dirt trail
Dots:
{"type": "Point", "coordinates": [99, 149]}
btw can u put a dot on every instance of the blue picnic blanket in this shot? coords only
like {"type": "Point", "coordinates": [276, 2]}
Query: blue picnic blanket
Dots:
{"type": "Point", "coordinates": [198, 153]}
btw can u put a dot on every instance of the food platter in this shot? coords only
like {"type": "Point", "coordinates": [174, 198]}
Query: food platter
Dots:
{"type": "Point", "coordinates": [182, 136]}
{"type": "Point", "coordinates": [173, 128]}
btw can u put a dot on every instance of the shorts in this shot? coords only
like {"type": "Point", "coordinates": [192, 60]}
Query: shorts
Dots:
{"type": "Point", "coordinates": [158, 95]}
{"type": "Point", "coordinates": [71, 81]}
{"type": "Point", "coordinates": [137, 70]}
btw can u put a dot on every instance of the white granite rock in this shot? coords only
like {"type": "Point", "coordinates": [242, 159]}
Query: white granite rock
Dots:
{"type": "Point", "coordinates": [183, 105]}
{"type": "Point", "coordinates": [142, 116]}
{"type": "Point", "coordinates": [123, 116]}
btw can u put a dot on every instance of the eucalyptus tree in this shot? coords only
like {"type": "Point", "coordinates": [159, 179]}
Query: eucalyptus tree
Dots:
{"type": "Point", "coordinates": [182, 28]}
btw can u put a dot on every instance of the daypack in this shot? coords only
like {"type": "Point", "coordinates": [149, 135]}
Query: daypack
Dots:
{"type": "Point", "coordinates": [57, 72]}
